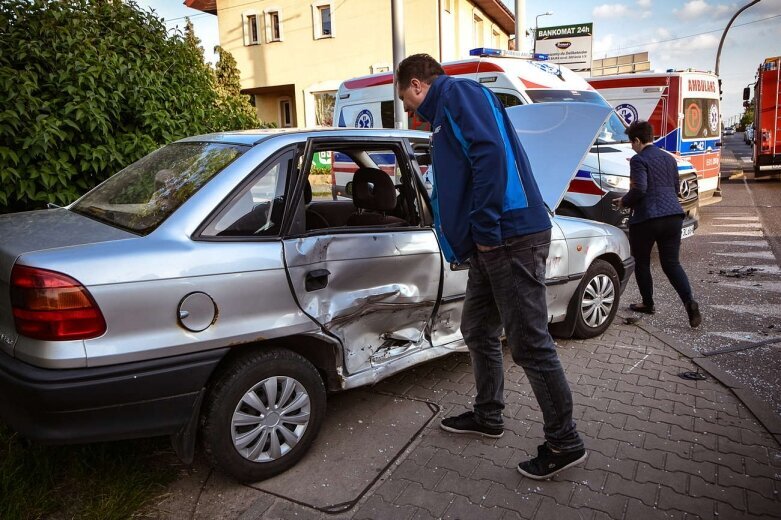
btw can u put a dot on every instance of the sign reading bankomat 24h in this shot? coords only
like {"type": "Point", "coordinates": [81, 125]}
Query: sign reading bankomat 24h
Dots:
{"type": "Point", "coordinates": [568, 45]}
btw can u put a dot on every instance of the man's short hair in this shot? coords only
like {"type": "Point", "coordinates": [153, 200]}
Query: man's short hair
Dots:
{"type": "Point", "coordinates": [419, 66]}
{"type": "Point", "coordinates": [641, 130]}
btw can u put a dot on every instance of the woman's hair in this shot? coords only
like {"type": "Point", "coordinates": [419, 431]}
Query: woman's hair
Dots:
{"type": "Point", "coordinates": [641, 130]}
{"type": "Point", "coordinates": [420, 66]}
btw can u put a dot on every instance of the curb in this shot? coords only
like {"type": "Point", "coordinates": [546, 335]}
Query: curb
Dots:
{"type": "Point", "coordinates": [764, 414]}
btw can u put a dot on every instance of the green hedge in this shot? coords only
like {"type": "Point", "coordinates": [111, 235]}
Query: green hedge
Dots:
{"type": "Point", "coordinates": [89, 86]}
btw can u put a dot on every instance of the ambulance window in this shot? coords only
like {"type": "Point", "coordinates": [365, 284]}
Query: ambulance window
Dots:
{"type": "Point", "coordinates": [508, 100]}
{"type": "Point", "coordinates": [386, 113]}
{"type": "Point", "coordinates": [700, 118]}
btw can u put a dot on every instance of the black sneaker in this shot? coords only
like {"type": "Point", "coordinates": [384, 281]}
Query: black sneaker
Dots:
{"type": "Point", "coordinates": [693, 310]}
{"type": "Point", "coordinates": [547, 463]}
{"type": "Point", "coordinates": [465, 423]}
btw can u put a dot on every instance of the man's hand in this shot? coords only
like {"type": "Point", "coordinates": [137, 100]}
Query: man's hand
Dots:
{"type": "Point", "coordinates": [483, 248]}
{"type": "Point", "coordinates": [618, 203]}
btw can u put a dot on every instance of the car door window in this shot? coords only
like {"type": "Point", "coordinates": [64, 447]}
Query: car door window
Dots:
{"type": "Point", "coordinates": [384, 194]}
{"type": "Point", "coordinates": [257, 209]}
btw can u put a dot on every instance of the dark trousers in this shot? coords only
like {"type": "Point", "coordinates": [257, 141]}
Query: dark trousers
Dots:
{"type": "Point", "coordinates": [506, 288]}
{"type": "Point", "coordinates": [665, 232]}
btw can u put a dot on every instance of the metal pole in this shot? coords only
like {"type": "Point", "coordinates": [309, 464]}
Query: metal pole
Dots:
{"type": "Point", "coordinates": [397, 29]}
{"type": "Point", "coordinates": [520, 23]}
{"type": "Point", "coordinates": [724, 35]}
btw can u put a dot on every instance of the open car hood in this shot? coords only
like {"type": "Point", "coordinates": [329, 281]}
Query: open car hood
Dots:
{"type": "Point", "coordinates": [556, 138]}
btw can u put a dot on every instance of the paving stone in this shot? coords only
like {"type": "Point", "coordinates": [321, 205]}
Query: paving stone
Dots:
{"type": "Point", "coordinates": [597, 461]}
{"type": "Point", "coordinates": [610, 384]}
{"type": "Point", "coordinates": [474, 490]}
{"type": "Point", "coordinates": [422, 453]}
{"type": "Point", "coordinates": [499, 455]}
{"type": "Point", "coordinates": [559, 488]}
{"type": "Point", "coordinates": [463, 509]}
{"type": "Point", "coordinates": [686, 399]}
{"type": "Point", "coordinates": [672, 479]}
{"type": "Point", "coordinates": [697, 437]}
{"type": "Point", "coordinates": [756, 437]}
{"type": "Point", "coordinates": [622, 397]}
{"type": "Point", "coordinates": [422, 514]}
{"type": "Point", "coordinates": [759, 469]}
{"type": "Point", "coordinates": [549, 509]}
{"type": "Point", "coordinates": [644, 491]}
{"type": "Point", "coordinates": [607, 447]}
{"type": "Point", "coordinates": [425, 476]}
{"type": "Point", "coordinates": [628, 377]}
{"type": "Point", "coordinates": [375, 508]}
{"type": "Point", "coordinates": [613, 505]}
{"type": "Point", "coordinates": [636, 510]}
{"type": "Point", "coordinates": [705, 470]}
{"type": "Point", "coordinates": [641, 412]}
{"type": "Point", "coordinates": [684, 421]}
{"type": "Point", "coordinates": [632, 437]}
{"type": "Point", "coordinates": [758, 453]}
{"type": "Point", "coordinates": [391, 489]}
{"type": "Point", "coordinates": [435, 502]}
{"type": "Point", "coordinates": [654, 458]}
{"type": "Point", "coordinates": [707, 404]}
{"type": "Point", "coordinates": [736, 497]}
{"type": "Point", "coordinates": [759, 505]}
{"type": "Point", "coordinates": [722, 430]}
{"type": "Point", "coordinates": [647, 391]}
{"type": "Point", "coordinates": [726, 511]}
{"type": "Point", "coordinates": [761, 485]}
{"type": "Point", "coordinates": [490, 472]}
{"type": "Point", "coordinates": [656, 428]}
{"type": "Point", "coordinates": [458, 463]}
{"type": "Point", "coordinates": [669, 499]}
{"type": "Point", "coordinates": [653, 403]}
{"type": "Point", "coordinates": [438, 438]}
{"type": "Point", "coordinates": [705, 393]}
{"type": "Point", "coordinates": [655, 383]}
{"type": "Point", "coordinates": [594, 479]}
{"type": "Point", "coordinates": [500, 496]}
{"type": "Point", "coordinates": [703, 454]}
{"type": "Point", "coordinates": [681, 448]}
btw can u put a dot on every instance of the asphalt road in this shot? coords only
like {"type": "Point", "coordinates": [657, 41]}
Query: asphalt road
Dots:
{"type": "Point", "coordinates": [733, 266]}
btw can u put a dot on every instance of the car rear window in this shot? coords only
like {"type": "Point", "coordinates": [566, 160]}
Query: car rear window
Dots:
{"type": "Point", "coordinates": [144, 194]}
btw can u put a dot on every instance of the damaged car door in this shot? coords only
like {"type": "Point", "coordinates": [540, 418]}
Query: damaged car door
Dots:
{"type": "Point", "coordinates": [361, 264]}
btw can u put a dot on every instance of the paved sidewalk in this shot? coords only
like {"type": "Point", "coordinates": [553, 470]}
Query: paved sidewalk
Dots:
{"type": "Point", "coordinates": [660, 447]}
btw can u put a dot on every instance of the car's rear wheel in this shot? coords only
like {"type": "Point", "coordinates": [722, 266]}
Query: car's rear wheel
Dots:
{"type": "Point", "coordinates": [262, 414]}
{"type": "Point", "coordinates": [597, 300]}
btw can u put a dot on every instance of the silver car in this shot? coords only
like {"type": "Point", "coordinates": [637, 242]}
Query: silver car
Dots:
{"type": "Point", "coordinates": [222, 285]}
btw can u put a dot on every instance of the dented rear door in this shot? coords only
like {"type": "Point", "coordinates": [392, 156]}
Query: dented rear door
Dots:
{"type": "Point", "coordinates": [373, 290]}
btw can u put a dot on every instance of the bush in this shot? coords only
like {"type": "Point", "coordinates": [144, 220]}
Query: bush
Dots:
{"type": "Point", "coordinates": [90, 86]}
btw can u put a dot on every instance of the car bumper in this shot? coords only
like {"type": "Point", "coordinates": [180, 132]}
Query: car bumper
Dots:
{"type": "Point", "coordinates": [142, 399]}
{"type": "Point", "coordinates": [626, 274]}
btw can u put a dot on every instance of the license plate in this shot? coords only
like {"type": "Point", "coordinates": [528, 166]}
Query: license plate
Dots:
{"type": "Point", "coordinates": [687, 231]}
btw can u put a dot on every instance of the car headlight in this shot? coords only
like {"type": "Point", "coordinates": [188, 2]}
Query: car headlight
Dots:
{"type": "Point", "coordinates": [614, 182]}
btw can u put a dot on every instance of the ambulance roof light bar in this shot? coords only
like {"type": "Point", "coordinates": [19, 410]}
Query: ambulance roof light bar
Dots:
{"type": "Point", "coordinates": [502, 53]}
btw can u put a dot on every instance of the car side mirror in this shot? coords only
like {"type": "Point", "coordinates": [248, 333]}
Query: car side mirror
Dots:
{"type": "Point", "coordinates": [746, 94]}
{"type": "Point", "coordinates": [348, 189]}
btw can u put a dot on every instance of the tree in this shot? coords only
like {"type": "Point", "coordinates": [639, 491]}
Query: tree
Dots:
{"type": "Point", "coordinates": [190, 38]}
{"type": "Point", "coordinates": [228, 87]}
{"type": "Point", "coordinates": [748, 116]}
{"type": "Point", "coordinates": [88, 87]}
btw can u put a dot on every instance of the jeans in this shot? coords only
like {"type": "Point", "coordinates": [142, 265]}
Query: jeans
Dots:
{"type": "Point", "coordinates": [666, 233]}
{"type": "Point", "coordinates": [506, 288]}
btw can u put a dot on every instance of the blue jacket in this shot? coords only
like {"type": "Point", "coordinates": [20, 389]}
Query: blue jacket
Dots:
{"type": "Point", "coordinates": [484, 191]}
{"type": "Point", "coordinates": [653, 185]}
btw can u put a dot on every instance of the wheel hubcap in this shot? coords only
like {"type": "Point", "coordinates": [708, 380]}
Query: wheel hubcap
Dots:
{"type": "Point", "coordinates": [270, 419]}
{"type": "Point", "coordinates": [598, 299]}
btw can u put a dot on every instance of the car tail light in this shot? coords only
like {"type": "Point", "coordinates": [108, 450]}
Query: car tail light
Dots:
{"type": "Point", "coordinates": [52, 306]}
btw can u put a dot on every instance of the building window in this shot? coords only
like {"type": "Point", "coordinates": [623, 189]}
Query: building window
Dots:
{"type": "Point", "coordinates": [273, 25]}
{"type": "Point", "coordinates": [496, 40]}
{"type": "Point", "coordinates": [322, 19]}
{"type": "Point", "coordinates": [285, 113]}
{"type": "Point", "coordinates": [477, 29]}
{"type": "Point", "coordinates": [252, 29]}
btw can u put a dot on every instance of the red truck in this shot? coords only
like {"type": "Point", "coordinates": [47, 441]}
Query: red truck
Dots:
{"type": "Point", "coordinates": [767, 117]}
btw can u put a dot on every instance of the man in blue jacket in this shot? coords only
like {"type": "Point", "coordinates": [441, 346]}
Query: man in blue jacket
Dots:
{"type": "Point", "coordinates": [488, 210]}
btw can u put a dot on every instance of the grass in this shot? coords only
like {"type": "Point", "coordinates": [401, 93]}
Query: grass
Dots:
{"type": "Point", "coordinates": [95, 481]}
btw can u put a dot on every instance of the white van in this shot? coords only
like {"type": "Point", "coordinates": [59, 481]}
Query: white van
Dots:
{"type": "Point", "coordinates": [516, 79]}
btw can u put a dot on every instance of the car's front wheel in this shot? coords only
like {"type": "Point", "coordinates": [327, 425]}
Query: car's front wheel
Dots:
{"type": "Point", "coordinates": [262, 413]}
{"type": "Point", "coordinates": [597, 300]}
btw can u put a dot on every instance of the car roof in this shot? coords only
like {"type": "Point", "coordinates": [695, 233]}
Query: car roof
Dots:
{"type": "Point", "coordinates": [256, 136]}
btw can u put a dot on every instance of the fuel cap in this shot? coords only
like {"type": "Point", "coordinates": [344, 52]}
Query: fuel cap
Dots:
{"type": "Point", "coordinates": [197, 311]}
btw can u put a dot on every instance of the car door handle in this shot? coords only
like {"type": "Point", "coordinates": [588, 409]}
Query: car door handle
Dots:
{"type": "Point", "coordinates": [316, 280]}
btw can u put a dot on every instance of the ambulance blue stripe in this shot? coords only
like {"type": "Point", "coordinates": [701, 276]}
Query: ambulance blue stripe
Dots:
{"type": "Point", "coordinates": [583, 174]}
{"type": "Point", "coordinates": [514, 194]}
{"type": "Point", "coordinates": [341, 119]}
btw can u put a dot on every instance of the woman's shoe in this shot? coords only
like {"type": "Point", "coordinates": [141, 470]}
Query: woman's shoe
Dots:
{"type": "Point", "coordinates": [641, 307]}
{"type": "Point", "coordinates": [693, 310]}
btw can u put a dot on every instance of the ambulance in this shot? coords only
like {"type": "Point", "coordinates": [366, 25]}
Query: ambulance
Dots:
{"type": "Point", "coordinates": [520, 78]}
{"type": "Point", "coordinates": [684, 109]}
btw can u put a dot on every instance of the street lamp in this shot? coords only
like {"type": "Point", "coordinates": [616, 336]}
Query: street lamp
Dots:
{"type": "Point", "coordinates": [536, 26]}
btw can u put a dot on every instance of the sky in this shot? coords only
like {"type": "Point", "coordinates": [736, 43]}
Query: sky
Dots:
{"type": "Point", "coordinates": [677, 34]}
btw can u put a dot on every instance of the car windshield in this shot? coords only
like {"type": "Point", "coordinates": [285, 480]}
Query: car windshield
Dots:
{"type": "Point", "coordinates": [612, 131]}
{"type": "Point", "coordinates": [141, 196]}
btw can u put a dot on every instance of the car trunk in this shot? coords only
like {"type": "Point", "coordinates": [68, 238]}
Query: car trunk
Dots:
{"type": "Point", "coordinates": [35, 231]}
